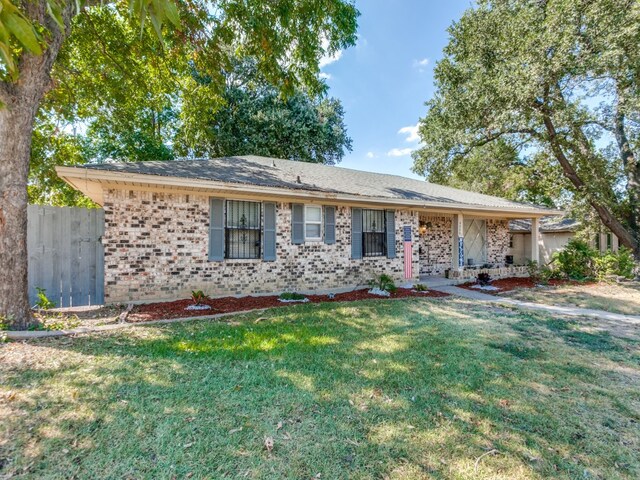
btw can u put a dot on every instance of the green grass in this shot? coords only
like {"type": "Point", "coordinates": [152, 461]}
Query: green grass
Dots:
{"type": "Point", "coordinates": [375, 389]}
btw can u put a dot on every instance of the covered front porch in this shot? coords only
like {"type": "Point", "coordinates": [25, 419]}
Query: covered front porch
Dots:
{"type": "Point", "coordinates": [455, 248]}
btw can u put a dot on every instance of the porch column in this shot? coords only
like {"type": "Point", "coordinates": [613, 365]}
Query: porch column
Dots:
{"type": "Point", "coordinates": [457, 245]}
{"type": "Point", "coordinates": [536, 240]}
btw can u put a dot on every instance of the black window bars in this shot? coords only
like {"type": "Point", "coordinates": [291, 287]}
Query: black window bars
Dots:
{"type": "Point", "coordinates": [374, 238]}
{"type": "Point", "coordinates": [243, 229]}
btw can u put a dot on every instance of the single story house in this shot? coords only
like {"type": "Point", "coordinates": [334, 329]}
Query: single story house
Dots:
{"type": "Point", "coordinates": [554, 234]}
{"type": "Point", "coordinates": [254, 225]}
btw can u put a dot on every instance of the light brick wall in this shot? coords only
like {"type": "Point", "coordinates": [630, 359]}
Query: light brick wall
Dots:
{"type": "Point", "coordinates": [435, 246]}
{"type": "Point", "coordinates": [497, 241]}
{"type": "Point", "coordinates": [156, 248]}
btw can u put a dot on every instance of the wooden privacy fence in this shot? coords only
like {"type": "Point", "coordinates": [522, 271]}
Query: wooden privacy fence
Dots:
{"type": "Point", "coordinates": [65, 254]}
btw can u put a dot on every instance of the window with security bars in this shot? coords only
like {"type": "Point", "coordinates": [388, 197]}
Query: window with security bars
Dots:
{"type": "Point", "coordinates": [374, 238]}
{"type": "Point", "coordinates": [475, 241]}
{"type": "Point", "coordinates": [242, 229]}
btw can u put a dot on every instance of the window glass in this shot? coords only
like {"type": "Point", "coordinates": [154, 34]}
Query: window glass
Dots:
{"type": "Point", "coordinates": [242, 229]}
{"type": "Point", "coordinates": [373, 233]}
{"type": "Point", "coordinates": [312, 230]}
{"type": "Point", "coordinates": [313, 222]}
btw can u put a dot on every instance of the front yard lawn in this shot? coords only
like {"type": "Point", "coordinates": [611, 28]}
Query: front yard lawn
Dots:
{"type": "Point", "coordinates": [611, 297]}
{"type": "Point", "coordinates": [374, 389]}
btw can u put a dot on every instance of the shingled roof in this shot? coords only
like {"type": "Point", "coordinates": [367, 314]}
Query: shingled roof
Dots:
{"type": "Point", "coordinates": [301, 176]}
{"type": "Point", "coordinates": [547, 225]}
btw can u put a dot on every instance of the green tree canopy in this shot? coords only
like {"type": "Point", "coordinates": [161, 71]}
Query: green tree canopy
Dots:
{"type": "Point", "coordinates": [155, 103]}
{"type": "Point", "coordinates": [560, 78]}
{"type": "Point", "coordinates": [253, 117]}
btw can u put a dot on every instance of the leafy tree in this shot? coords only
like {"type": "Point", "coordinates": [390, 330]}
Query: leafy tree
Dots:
{"type": "Point", "coordinates": [499, 169]}
{"type": "Point", "coordinates": [52, 146]}
{"type": "Point", "coordinates": [559, 77]}
{"type": "Point", "coordinates": [254, 118]}
{"type": "Point", "coordinates": [284, 36]}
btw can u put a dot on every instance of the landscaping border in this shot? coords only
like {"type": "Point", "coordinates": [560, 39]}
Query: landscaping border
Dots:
{"type": "Point", "coordinates": [36, 334]}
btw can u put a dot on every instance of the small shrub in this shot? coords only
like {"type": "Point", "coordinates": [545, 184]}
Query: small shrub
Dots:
{"type": "Point", "coordinates": [484, 279]}
{"type": "Point", "coordinates": [44, 303]}
{"type": "Point", "coordinates": [576, 260]}
{"type": "Point", "coordinates": [605, 266]}
{"type": "Point", "coordinates": [198, 296]}
{"type": "Point", "coordinates": [420, 287]}
{"type": "Point", "coordinates": [291, 296]}
{"type": "Point", "coordinates": [614, 264]}
{"type": "Point", "coordinates": [540, 273]}
{"type": "Point", "coordinates": [4, 323]}
{"type": "Point", "coordinates": [383, 282]}
{"type": "Point", "coordinates": [626, 263]}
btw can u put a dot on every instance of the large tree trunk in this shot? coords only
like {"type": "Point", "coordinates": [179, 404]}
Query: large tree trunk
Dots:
{"type": "Point", "coordinates": [16, 125]}
{"type": "Point", "coordinates": [21, 100]}
{"type": "Point", "coordinates": [632, 171]}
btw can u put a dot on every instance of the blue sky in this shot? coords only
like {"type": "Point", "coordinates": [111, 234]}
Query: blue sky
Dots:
{"type": "Point", "coordinates": [385, 79]}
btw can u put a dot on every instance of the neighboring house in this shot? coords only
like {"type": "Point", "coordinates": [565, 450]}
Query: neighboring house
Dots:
{"type": "Point", "coordinates": [554, 234]}
{"type": "Point", "coordinates": [252, 225]}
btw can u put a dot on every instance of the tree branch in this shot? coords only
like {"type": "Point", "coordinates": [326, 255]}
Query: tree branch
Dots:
{"type": "Point", "coordinates": [495, 136]}
{"type": "Point", "coordinates": [605, 215]}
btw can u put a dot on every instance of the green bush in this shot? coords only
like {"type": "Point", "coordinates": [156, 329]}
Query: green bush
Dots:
{"type": "Point", "coordinates": [614, 264]}
{"type": "Point", "coordinates": [626, 263]}
{"type": "Point", "coordinates": [576, 260]}
{"type": "Point", "coordinates": [420, 287]}
{"type": "Point", "coordinates": [43, 302]}
{"type": "Point", "coordinates": [198, 296]}
{"type": "Point", "coordinates": [383, 282]}
{"type": "Point", "coordinates": [540, 273]}
{"type": "Point", "coordinates": [291, 296]}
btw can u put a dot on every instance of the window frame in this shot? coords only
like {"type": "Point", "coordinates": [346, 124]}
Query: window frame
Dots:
{"type": "Point", "coordinates": [258, 247]}
{"type": "Point", "coordinates": [313, 222]}
{"type": "Point", "coordinates": [365, 233]}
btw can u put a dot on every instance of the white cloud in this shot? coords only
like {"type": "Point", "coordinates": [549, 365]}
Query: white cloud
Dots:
{"type": "Point", "coordinates": [399, 152]}
{"type": "Point", "coordinates": [411, 132]}
{"type": "Point", "coordinates": [371, 155]}
{"type": "Point", "coordinates": [328, 59]}
{"type": "Point", "coordinates": [421, 65]}
{"type": "Point", "coordinates": [325, 76]}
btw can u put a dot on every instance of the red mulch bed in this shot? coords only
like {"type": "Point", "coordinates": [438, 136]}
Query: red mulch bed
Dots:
{"type": "Point", "coordinates": [176, 309]}
{"type": "Point", "coordinates": [513, 283]}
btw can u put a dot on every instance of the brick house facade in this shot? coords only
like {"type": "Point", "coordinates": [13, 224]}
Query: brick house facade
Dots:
{"type": "Point", "coordinates": [156, 245]}
{"type": "Point", "coordinates": [162, 239]}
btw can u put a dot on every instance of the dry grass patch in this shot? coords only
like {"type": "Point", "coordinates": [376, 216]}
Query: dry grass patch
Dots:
{"type": "Point", "coordinates": [611, 297]}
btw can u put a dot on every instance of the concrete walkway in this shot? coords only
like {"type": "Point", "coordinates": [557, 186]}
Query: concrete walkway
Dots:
{"type": "Point", "coordinates": [571, 311]}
